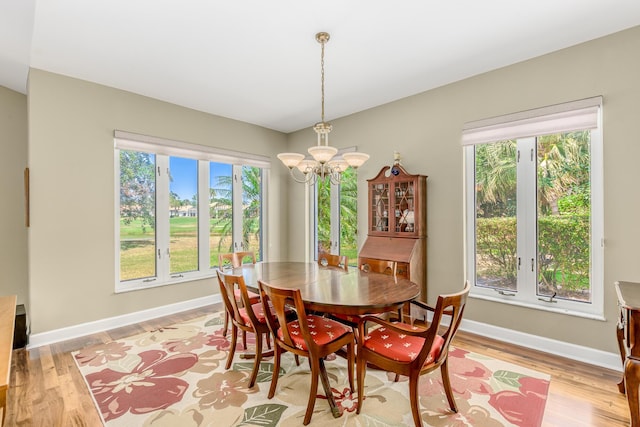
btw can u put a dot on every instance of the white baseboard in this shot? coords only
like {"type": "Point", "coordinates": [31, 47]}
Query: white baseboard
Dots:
{"type": "Point", "coordinates": [559, 348]}
{"type": "Point", "coordinates": [50, 337]}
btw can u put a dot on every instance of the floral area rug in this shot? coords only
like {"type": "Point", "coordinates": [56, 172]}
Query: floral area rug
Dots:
{"type": "Point", "coordinates": [175, 376]}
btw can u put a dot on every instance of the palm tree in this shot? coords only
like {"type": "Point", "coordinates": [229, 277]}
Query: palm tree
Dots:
{"type": "Point", "coordinates": [496, 179]}
{"type": "Point", "coordinates": [563, 168]}
{"type": "Point", "coordinates": [348, 211]}
{"type": "Point", "coordinates": [221, 202]}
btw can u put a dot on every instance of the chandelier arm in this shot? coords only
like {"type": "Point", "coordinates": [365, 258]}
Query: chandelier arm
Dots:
{"type": "Point", "coordinates": [301, 178]}
{"type": "Point", "coordinates": [306, 178]}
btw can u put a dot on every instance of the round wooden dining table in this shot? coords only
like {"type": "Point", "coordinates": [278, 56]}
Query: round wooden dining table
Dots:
{"type": "Point", "coordinates": [333, 290]}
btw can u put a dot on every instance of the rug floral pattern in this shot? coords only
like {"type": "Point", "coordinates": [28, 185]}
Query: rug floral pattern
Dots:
{"type": "Point", "coordinates": [175, 376]}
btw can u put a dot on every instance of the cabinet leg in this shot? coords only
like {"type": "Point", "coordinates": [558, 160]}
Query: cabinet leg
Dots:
{"type": "Point", "coordinates": [632, 385]}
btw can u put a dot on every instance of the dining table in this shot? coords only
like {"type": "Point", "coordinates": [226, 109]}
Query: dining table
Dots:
{"type": "Point", "coordinates": [333, 290]}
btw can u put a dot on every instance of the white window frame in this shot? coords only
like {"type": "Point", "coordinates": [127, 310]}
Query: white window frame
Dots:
{"type": "Point", "coordinates": [525, 126]}
{"type": "Point", "coordinates": [163, 149]}
{"type": "Point", "coordinates": [335, 214]}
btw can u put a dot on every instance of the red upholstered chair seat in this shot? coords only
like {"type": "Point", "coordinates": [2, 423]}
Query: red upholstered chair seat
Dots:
{"type": "Point", "coordinates": [400, 347]}
{"type": "Point", "coordinates": [258, 310]}
{"type": "Point", "coordinates": [322, 331]}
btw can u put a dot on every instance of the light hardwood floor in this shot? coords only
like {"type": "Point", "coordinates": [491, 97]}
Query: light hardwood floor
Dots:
{"type": "Point", "coordinates": [48, 390]}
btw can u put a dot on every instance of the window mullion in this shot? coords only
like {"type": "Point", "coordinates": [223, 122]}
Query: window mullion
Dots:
{"type": "Point", "coordinates": [335, 218]}
{"type": "Point", "coordinates": [204, 216]}
{"type": "Point", "coordinates": [527, 219]}
{"type": "Point", "coordinates": [237, 208]}
{"type": "Point", "coordinates": [162, 217]}
{"type": "Point", "coordinates": [470, 209]}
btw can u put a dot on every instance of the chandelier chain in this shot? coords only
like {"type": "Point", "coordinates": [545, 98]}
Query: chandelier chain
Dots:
{"type": "Point", "coordinates": [322, 78]}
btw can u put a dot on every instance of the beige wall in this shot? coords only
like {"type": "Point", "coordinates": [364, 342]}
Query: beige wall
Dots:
{"type": "Point", "coordinates": [71, 156]}
{"type": "Point", "coordinates": [13, 160]}
{"type": "Point", "coordinates": [426, 130]}
{"type": "Point", "coordinates": [71, 241]}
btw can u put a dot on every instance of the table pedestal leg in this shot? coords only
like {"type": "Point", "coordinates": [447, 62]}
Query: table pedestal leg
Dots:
{"type": "Point", "coordinates": [327, 390]}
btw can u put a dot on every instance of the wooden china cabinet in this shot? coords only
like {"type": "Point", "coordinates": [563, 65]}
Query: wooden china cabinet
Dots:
{"type": "Point", "coordinates": [398, 223]}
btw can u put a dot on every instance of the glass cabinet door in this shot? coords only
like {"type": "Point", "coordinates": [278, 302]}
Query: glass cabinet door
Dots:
{"type": "Point", "coordinates": [404, 207]}
{"type": "Point", "coordinates": [380, 207]}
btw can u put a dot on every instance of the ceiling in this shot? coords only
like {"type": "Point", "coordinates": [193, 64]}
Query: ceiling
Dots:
{"type": "Point", "coordinates": [258, 61]}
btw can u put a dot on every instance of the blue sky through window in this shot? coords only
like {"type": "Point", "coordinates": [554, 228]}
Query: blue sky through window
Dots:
{"type": "Point", "coordinates": [184, 173]}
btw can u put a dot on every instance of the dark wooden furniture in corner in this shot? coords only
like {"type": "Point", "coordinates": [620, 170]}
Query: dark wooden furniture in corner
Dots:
{"type": "Point", "coordinates": [398, 224]}
{"type": "Point", "coordinates": [628, 334]}
{"type": "Point", "coordinates": [7, 324]}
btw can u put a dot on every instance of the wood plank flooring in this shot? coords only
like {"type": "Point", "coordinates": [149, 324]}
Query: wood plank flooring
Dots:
{"type": "Point", "coordinates": [47, 389]}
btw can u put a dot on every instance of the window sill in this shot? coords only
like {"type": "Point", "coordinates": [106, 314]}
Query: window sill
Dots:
{"type": "Point", "coordinates": [120, 288]}
{"type": "Point", "coordinates": [566, 311]}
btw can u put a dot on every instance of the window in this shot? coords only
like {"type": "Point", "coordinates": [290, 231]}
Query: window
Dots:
{"type": "Point", "coordinates": [179, 205]}
{"type": "Point", "coordinates": [224, 196]}
{"type": "Point", "coordinates": [535, 208]}
{"type": "Point", "coordinates": [336, 216]}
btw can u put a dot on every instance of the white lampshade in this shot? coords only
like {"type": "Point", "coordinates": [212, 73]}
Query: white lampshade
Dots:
{"type": "Point", "coordinates": [322, 153]}
{"type": "Point", "coordinates": [291, 160]}
{"type": "Point", "coordinates": [306, 165]}
{"type": "Point", "coordinates": [355, 158]}
{"type": "Point", "coordinates": [338, 164]}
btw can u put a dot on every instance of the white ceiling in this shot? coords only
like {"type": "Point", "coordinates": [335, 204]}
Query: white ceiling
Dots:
{"type": "Point", "coordinates": [258, 61]}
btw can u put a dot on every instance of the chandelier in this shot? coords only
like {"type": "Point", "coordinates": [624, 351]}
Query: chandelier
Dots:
{"type": "Point", "coordinates": [324, 160]}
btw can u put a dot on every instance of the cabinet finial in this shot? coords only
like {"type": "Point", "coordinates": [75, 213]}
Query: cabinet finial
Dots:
{"type": "Point", "coordinates": [395, 170]}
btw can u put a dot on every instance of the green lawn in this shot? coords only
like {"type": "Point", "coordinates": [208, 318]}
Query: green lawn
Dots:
{"type": "Point", "coordinates": [138, 249]}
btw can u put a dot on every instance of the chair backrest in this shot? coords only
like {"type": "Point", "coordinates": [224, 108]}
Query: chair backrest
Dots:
{"type": "Point", "coordinates": [371, 265]}
{"type": "Point", "coordinates": [279, 299]}
{"type": "Point", "coordinates": [332, 260]}
{"type": "Point", "coordinates": [447, 316]}
{"type": "Point", "coordinates": [228, 285]}
{"type": "Point", "coordinates": [235, 259]}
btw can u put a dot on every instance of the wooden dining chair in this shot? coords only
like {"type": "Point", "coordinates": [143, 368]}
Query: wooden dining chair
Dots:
{"type": "Point", "coordinates": [326, 259]}
{"type": "Point", "coordinates": [369, 266]}
{"type": "Point", "coordinates": [412, 350]}
{"type": "Point", "coordinates": [244, 315]}
{"type": "Point", "coordinates": [234, 260]}
{"type": "Point", "coordinates": [311, 336]}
